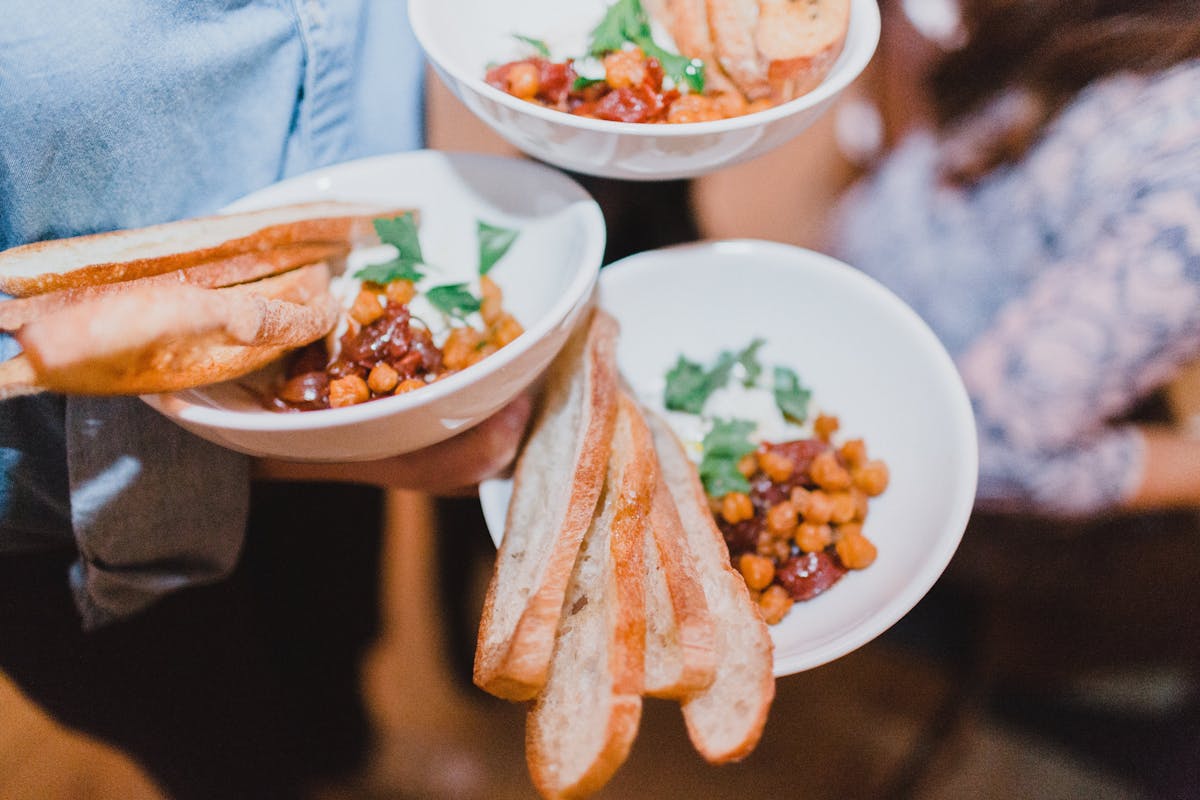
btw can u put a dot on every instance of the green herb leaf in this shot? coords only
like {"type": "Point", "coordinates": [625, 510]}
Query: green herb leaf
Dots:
{"type": "Point", "coordinates": [395, 270]}
{"type": "Point", "coordinates": [582, 82]}
{"type": "Point", "coordinates": [623, 20]}
{"type": "Point", "coordinates": [626, 21]}
{"type": "Point", "coordinates": [791, 397]}
{"type": "Point", "coordinates": [723, 448]}
{"type": "Point", "coordinates": [453, 299]}
{"type": "Point", "coordinates": [494, 242]}
{"type": "Point", "coordinates": [687, 387]}
{"type": "Point", "coordinates": [748, 358]}
{"type": "Point", "coordinates": [400, 232]}
{"type": "Point", "coordinates": [537, 44]}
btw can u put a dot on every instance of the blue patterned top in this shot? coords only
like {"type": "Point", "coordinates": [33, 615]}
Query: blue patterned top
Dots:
{"type": "Point", "coordinates": [1066, 286]}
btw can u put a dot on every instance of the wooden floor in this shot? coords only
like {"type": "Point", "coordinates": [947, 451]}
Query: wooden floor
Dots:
{"type": "Point", "coordinates": [845, 730]}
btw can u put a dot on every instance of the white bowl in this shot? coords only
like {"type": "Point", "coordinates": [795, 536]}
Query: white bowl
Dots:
{"type": "Point", "coordinates": [547, 277]}
{"type": "Point", "coordinates": [461, 37]}
{"type": "Point", "coordinates": [868, 359]}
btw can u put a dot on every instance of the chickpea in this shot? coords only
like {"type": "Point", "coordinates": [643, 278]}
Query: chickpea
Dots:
{"type": "Point", "coordinates": [348, 391]}
{"type": "Point", "coordinates": [730, 104]}
{"type": "Point", "coordinates": [758, 571]}
{"type": "Point", "coordinates": [776, 466]}
{"type": "Point", "coordinates": [872, 477]}
{"type": "Point", "coordinates": [825, 425]}
{"type": "Point", "coordinates": [781, 518]}
{"type": "Point", "coordinates": [366, 308]}
{"type": "Point", "coordinates": [505, 330]}
{"type": "Point", "coordinates": [491, 299]}
{"type": "Point", "coordinates": [768, 546]}
{"type": "Point", "coordinates": [408, 384]}
{"type": "Point", "coordinates": [844, 508]}
{"type": "Point", "coordinates": [828, 473]}
{"type": "Point", "coordinates": [462, 347]}
{"type": "Point", "coordinates": [748, 465]}
{"type": "Point", "coordinates": [694, 108]}
{"type": "Point", "coordinates": [774, 604]}
{"type": "Point", "coordinates": [400, 292]}
{"type": "Point", "coordinates": [736, 507]}
{"type": "Point", "coordinates": [820, 507]}
{"type": "Point", "coordinates": [524, 81]}
{"type": "Point", "coordinates": [383, 378]}
{"type": "Point", "coordinates": [861, 503]}
{"type": "Point", "coordinates": [812, 538]}
{"type": "Point", "coordinates": [854, 550]}
{"type": "Point", "coordinates": [849, 529]}
{"type": "Point", "coordinates": [625, 68]}
{"type": "Point", "coordinates": [853, 453]}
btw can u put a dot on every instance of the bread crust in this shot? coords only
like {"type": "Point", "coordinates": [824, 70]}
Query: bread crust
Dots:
{"type": "Point", "coordinates": [691, 665]}
{"type": "Point", "coordinates": [725, 720]}
{"type": "Point", "coordinates": [159, 339]}
{"type": "Point", "coordinates": [240, 268]}
{"type": "Point", "coordinates": [38, 267]}
{"type": "Point", "coordinates": [515, 642]}
{"type": "Point", "coordinates": [605, 708]}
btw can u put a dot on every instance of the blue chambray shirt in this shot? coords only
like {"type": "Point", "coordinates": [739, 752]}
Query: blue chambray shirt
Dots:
{"type": "Point", "coordinates": [124, 113]}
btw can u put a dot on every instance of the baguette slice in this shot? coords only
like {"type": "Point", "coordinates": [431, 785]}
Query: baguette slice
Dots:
{"type": "Point", "coordinates": [556, 486]}
{"type": "Point", "coordinates": [681, 657]}
{"type": "Point", "coordinates": [125, 255]}
{"type": "Point", "coordinates": [733, 24]}
{"type": "Point", "coordinates": [164, 339]}
{"type": "Point", "coordinates": [687, 22]}
{"type": "Point", "coordinates": [800, 40]}
{"type": "Point", "coordinates": [584, 721]}
{"type": "Point", "coordinates": [240, 268]}
{"type": "Point", "coordinates": [724, 721]}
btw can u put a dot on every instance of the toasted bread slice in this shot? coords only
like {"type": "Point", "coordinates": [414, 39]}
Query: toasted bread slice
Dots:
{"type": "Point", "coordinates": [124, 255]}
{"type": "Point", "coordinates": [163, 339]}
{"type": "Point", "coordinates": [800, 40]}
{"type": "Point", "coordinates": [725, 720]}
{"type": "Point", "coordinates": [733, 25]}
{"type": "Point", "coordinates": [583, 723]}
{"type": "Point", "coordinates": [556, 486]}
{"type": "Point", "coordinates": [687, 22]}
{"type": "Point", "coordinates": [680, 652]}
{"type": "Point", "coordinates": [236, 269]}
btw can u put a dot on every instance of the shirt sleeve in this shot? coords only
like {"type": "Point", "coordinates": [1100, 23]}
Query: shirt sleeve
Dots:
{"type": "Point", "coordinates": [1094, 333]}
{"type": "Point", "coordinates": [153, 507]}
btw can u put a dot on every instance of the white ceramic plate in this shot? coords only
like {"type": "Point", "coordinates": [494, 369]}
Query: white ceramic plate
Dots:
{"type": "Point", "coordinates": [868, 359]}
{"type": "Point", "coordinates": [547, 278]}
{"type": "Point", "coordinates": [461, 37]}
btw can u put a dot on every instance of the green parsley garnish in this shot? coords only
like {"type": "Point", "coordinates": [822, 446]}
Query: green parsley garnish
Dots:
{"type": "Point", "coordinates": [537, 44]}
{"type": "Point", "coordinates": [401, 233]}
{"type": "Point", "coordinates": [791, 397]}
{"type": "Point", "coordinates": [626, 21]}
{"type": "Point", "coordinates": [494, 242]}
{"type": "Point", "coordinates": [582, 82]}
{"type": "Point", "coordinates": [453, 299]}
{"type": "Point", "coordinates": [723, 447]}
{"type": "Point", "coordinates": [689, 384]}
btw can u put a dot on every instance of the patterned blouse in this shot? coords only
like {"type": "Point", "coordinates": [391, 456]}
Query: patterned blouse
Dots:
{"type": "Point", "coordinates": [1066, 286]}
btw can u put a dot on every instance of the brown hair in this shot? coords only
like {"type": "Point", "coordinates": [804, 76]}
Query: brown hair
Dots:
{"type": "Point", "coordinates": [1047, 51]}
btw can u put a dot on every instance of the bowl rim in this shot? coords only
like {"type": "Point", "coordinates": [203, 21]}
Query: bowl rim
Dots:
{"type": "Point", "coordinates": [865, 20]}
{"type": "Point", "coordinates": [593, 236]}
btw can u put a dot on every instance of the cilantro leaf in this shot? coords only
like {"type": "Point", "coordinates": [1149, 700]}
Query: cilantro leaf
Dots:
{"type": "Point", "coordinates": [453, 299]}
{"type": "Point", "coordinates": [791, 397]}
{"type": "Point", "coordinates": [400, 232]}
{"type": "Point", "coordinates": [537, 44]}
{"type": "Point", "coordinates": [723, 447]}
{"type": "Point", "coordinates": [581, 82]}
{"type": "Point", "coordinates": [623, 20]}
{"type": "Point", "coordinates": [687, 387]}
{"type": "Point", "coordinates": [494, 242]}
{"type": "Point", "coordinates": [395, 270]}
{"type": "Point", "coordinates": [626, 21]}
{"type": "Point", "coordinates": [748, 358]}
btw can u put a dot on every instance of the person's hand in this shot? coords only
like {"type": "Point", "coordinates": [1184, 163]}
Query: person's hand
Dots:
{"type": "Point", "coordinates": [450, 467]}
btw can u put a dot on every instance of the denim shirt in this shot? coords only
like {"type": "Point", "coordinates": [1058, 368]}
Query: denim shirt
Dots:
{"type": "Point", "coordinates": [124, 113]}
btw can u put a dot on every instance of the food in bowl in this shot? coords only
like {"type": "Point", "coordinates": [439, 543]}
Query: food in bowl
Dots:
{"type": "Point", "coordinates": [789, 500]}
{"type": "Point", "coordinates": [401, 329]}
{"type": "Point", "coordinates": [734, 57]}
